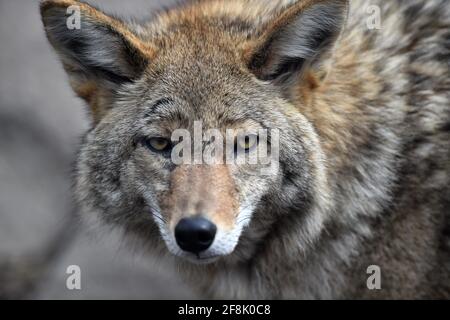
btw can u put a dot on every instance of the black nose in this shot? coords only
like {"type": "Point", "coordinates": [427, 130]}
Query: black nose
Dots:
{"type": "Point", "coordinates": [195, 234]}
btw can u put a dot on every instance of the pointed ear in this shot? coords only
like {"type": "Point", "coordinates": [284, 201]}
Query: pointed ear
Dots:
{"type": "Point", "coordinates": [99, 52]}
{"type": "Point", "coordinates": [296, 39]}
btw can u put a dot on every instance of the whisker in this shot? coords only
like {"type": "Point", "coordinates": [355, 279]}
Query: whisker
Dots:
{"type": "Point", "coordinates": [243, 220]}
{"type": "Point", "coordinates": [159, 218]}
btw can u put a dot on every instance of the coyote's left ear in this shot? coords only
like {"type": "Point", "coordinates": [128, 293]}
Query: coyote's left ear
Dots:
{"type": "Point", "coordinates": [296, 39]}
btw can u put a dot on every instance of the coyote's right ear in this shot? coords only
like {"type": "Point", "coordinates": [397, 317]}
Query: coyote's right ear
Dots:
{"type": "Point", "coordinates": [99, 52]}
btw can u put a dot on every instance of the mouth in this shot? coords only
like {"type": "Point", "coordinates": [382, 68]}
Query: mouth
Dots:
{"type": "Point", "coordinates": [199, 259]}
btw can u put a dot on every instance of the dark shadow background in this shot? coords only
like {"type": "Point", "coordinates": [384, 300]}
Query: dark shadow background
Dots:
{"type": "Point", "coordinates": [41, 122]}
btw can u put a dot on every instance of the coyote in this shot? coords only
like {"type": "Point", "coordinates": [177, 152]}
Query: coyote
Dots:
{"type": "Point", "coordinates": [363, 116]}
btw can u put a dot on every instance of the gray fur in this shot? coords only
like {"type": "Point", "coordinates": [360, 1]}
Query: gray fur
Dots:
{"type": "Point", "coordinates": [364, 160]}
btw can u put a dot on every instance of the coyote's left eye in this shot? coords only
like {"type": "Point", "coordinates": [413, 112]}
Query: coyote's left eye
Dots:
{"type": "Point", "coordinates": [159, 144]}
{"type": "Point", "coordinates": [246, 143]}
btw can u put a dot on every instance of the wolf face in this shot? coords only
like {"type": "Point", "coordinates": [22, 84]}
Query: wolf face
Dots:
{"type": "Point", "coordinates": [230, 66]}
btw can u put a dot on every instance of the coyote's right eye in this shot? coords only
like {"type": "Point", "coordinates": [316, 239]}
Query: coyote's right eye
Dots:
{"type": "Point", "coordinates": [160, 145]}
{"type": "Point", "coordinates": [246, 143]}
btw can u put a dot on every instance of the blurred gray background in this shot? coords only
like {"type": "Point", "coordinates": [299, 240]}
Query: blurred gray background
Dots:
{"type": "Point", "coordinates": [41, 122]}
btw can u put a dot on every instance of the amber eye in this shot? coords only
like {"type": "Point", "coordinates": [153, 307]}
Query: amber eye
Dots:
{"type": "Point", "coordinates": [246, 143]}
{"type": "Point", "coordinates": [159, 144]}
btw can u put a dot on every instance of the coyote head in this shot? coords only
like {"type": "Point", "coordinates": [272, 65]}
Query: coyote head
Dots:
{"type": "Point", "coordinates": [227, 69]}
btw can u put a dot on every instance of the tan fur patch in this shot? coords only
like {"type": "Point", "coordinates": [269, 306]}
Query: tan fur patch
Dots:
{"type": "Point", "coordinates": [202, 190]}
